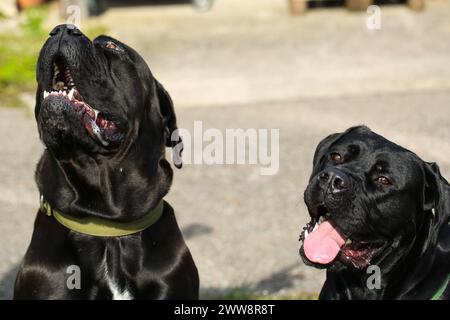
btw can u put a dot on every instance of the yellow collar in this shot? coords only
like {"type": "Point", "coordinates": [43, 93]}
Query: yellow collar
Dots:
{"type": "Point", "coordinates": [101, 227]}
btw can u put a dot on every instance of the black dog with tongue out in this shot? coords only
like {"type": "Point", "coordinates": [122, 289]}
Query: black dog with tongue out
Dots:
{"type": "Point", "coordinates": [373, 202]}
{"type": "Point", "coordinates": [103, 230]}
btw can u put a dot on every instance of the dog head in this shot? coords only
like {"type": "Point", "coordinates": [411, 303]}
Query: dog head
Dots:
{"type": "Point", "coordinates": [98, 97]}
{"type": "Point", "coordinates": [370, 200]}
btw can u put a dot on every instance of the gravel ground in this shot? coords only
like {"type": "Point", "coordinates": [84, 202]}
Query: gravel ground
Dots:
{"type": "Point", "coordinates": [255, 67]}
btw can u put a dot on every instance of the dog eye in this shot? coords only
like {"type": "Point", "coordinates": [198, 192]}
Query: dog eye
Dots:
{"type": "Point", "coordinates": [111, 45]}
{"type": "Point", "coordinates": [384, 181]}
{"type": "Point", "coordinates": [336, 157]}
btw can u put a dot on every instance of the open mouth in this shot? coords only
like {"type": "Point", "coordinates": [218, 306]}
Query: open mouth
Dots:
{"type": "Point", "coordinates": [63, 86]}
{"type": "Point", "coordinates": [324, 243]}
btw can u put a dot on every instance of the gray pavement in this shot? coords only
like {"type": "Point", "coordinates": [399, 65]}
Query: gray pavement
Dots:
{"type": "Point", "coordinates": [237, 68]}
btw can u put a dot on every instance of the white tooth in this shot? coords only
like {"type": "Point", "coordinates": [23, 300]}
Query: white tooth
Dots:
{"type": "Point", "coordinates": [306, 233]}
{"type": "Point", "coordinates": [45, 94]}
{"type": "Point", "coordinates": [315, 227]}
{"type": "Point", "coordinates": [70, 95]}
{"type": "Point", "coordinates": [96, 113]}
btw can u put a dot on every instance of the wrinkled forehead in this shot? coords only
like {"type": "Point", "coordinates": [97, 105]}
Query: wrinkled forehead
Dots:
{"type": "Point", "coordinates": [367, 141]}
{"type": "Point", "coordinates": [125, 57]}
{"type": "Point", "coordinates": [371, 149]}
{"type": "Point", "coordinates": [123, 50]}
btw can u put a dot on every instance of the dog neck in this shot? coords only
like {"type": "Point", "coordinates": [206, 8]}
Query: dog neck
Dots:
{"type": "Point", "coordinates": [117, 189]}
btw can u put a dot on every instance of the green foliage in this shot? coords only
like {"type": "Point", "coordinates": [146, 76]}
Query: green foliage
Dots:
{"type": "Point", "coordinates": [32, 26]}
{"type": "Point", "coordinates": [18, 54]}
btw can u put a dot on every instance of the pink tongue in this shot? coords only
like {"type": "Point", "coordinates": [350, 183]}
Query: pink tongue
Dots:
{"type": "Point", "coordinates": [323, 245]}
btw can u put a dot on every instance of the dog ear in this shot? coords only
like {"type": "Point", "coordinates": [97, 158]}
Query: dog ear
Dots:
{"type": "Point", "coordinates": [436, 196]}
{"type": "Point", "coordinates": [171, 134]}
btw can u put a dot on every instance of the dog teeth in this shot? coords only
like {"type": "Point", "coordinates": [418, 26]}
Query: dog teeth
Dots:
{"type": "Point", "coordinates": [315, 227]}
{"type": "Point", "coordinates": [69, 95]}
{"type": "Point", "coordinates": [306, 233]}
{"type": "Point", "coordinates": [71, 92]}
{"type": "Point", "coordinates": [349, 241]}
{"type": "Point", "coordinates": [96, 114]}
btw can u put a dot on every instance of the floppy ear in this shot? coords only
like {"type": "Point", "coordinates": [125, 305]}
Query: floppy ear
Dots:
{"type": "Point", "coordinates": [436, 197]}
{"type": "Point", "coordinates": [171, 134]}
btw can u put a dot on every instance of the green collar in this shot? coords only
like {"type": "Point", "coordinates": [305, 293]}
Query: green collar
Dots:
{"type": "Point", "coordinates": [440, 292]}
{"type": "Point", "coordinates": [101, 227]}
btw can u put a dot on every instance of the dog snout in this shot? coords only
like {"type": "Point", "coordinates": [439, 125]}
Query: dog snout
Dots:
{"type": "Point", "coordinates": [65, 29]}
{"type": "Point", "coordinates": [334, 180]}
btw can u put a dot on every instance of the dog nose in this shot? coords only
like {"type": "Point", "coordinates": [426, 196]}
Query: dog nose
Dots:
{"type": "Point", "coordinates": [335, 180]}
{"type": "Point", "coordinates": [65, 29]}
{"type": "Point", "coordinates": [338, 184]}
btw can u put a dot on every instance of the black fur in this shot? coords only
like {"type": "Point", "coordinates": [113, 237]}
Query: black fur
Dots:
{"type": "Point", "coordinates": [406, 221]}
{"type": "Point", "coordinates": [122, 181]}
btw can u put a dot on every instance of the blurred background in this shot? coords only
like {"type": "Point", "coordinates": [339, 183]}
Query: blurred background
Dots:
{"type": "Point", "coordinates": [306, 68]}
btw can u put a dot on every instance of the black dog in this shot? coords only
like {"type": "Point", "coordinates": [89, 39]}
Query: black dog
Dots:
{"type": "Point", "coordinates": [374, 203]}
{"type": "Point", "coordinates": [105, 122]}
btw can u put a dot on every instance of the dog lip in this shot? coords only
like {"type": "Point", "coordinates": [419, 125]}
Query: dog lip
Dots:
{"type": "Point", "coordinates": [359, 254]}
{"type": "Point", "coordinates": [318, 210]}
{"type": "Point", "coordinates": [101, 126]}
{"type": "Point", "coordinates": [97, 123]}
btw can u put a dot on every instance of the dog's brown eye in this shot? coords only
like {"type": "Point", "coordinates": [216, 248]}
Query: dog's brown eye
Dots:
{"type": "Point", "coordinates": [111, 45]}
{"type": "Point", "coordinates": [384, 181]}
{"type": "Point", "coordinates": [336, 157]}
